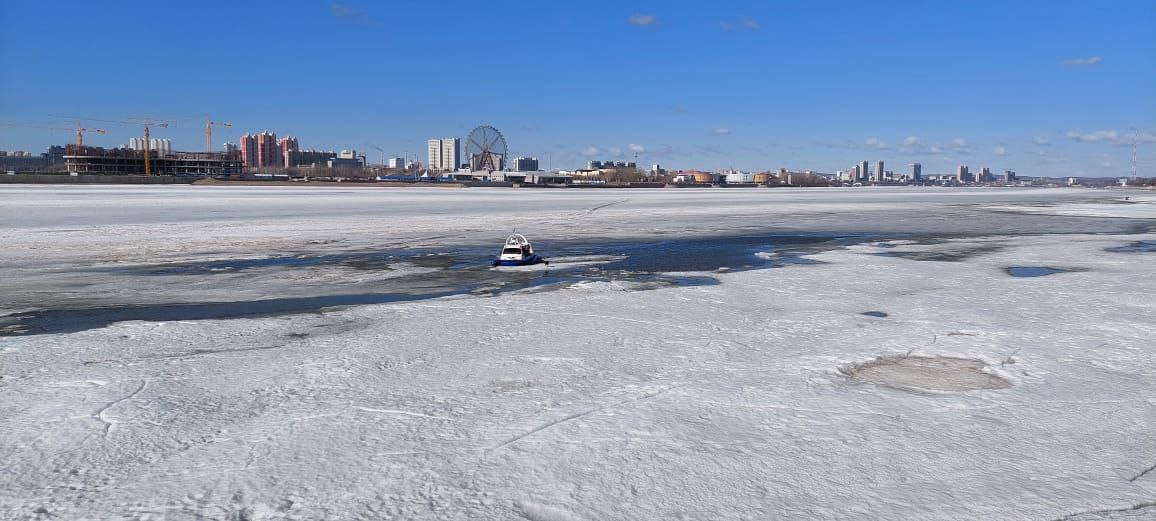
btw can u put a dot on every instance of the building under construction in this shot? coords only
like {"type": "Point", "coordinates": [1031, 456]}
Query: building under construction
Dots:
{"type": "Point", "coordinates": [126, 161]}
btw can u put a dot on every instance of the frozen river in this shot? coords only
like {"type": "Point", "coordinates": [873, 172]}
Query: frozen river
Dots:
{"type": "Point", "coordinates": [302, 353]}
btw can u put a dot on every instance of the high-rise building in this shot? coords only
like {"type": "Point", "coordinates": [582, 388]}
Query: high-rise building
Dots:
{"type": "Point", "coordinates": [288, 146]}
{"type": "Point", "coordinates": [451, 153]}
{"type": "Point", "coordinates": [525, 164]}
{"type": "Point", "coordinates": [879, 171]}
{"type": "Point", "coordinates": [855, 174]}
{"type": "Point", "coordinates": [916, 172]}
{"type": "Point", "coordinates": [864, 173]}
{"type": "Point", "coordinates": [261, 150]}
{"type": "Point", "coordinates": [445, 154]}
{"type": "Point", "coordinates": [961, 174]}
{"type": "Point", "coordinates": [984, 175]}
{"type": "Point", "coordinates": [248, 148]}
{"type": "Point", "coordinates": [435, 154]}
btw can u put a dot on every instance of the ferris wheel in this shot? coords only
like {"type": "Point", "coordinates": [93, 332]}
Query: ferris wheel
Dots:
{"type": "Point", "coordinates": [486, 149]}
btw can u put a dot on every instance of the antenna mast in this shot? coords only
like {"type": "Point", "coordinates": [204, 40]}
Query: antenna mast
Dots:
{"type": "Point", "coordinates": [1135, 140]}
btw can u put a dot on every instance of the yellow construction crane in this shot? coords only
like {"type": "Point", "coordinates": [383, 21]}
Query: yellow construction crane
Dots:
{"type": "Point", "coordinates": [209, 123]}
{"type": "Point", "coordinates": [149, 123]}
{"type": "Point", "coordinates": [145, 122]}
{"type": "Point", "coordinates": [79, 131]}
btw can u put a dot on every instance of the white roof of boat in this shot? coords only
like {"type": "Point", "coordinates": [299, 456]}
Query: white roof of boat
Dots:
{"type": "Point", "coordinates": [516, 239]}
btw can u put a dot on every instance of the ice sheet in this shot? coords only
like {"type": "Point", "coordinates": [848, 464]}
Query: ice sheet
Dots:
{"type": "Point", "coordinates": [599, 401]}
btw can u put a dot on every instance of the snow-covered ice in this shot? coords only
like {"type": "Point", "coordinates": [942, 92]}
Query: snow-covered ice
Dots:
{"type": "Point", "coordinates": [612, 394]}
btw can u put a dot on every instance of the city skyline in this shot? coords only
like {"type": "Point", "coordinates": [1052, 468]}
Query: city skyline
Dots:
{"type": "Point", "coordinates": [742, 85]}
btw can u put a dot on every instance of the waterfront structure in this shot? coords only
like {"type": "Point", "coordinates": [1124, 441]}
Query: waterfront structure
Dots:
{"type": "Point", "coordinates": [879, 171]}
{"type": "Point", "coordinates": [21, 161]}
{"type": "Point", "coordinates": [610, 165]}
{"type": "Point", "coordinates": [735, 177]}
{"type": "Point", "coordinates": [916, 172]}
{"type": "Point", "coordinates": [310, 158]}
{"type": "Point", "coordinates": [126, 161]}
{"type": "Point", "coordinates": [445, 154]}
{"type": "Point", "coordinates": [346, 159]}
{"type": "Point", "coordinates": [525, 164]}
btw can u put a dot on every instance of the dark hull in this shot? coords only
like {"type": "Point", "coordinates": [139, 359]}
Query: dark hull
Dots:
{"type": "Point", "coordinates": [525, 261]}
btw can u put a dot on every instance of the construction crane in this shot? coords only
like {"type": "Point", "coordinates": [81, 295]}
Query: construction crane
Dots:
{"type": "Point", "coordinates": [79, 131]}
{"type": "Point", "coordinates": [209, 123]}
{"type": "Point", "coordinates": [145, 122]}
{"type": "Point", "coordinates": [375, 147]}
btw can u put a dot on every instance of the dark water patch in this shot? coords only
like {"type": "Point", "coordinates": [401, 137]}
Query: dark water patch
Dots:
{"type": "Point", "coordinates": [669, 255]}
{"type": "Point", "coordinates": [1036, 271]}
{"type": "Point", "coordinates": [876, 314]}
{"type": "Point", "coordinates": [477, 281]}
{"type": "Point", "coordinates": [75, 320]}
{"type": "Point", "coordinates": [464, 270]}
{"type": "Point", "coordinates": [1135, 247]}
{"type": "Point", "coordinates": [955, 254]}
{"type": "Point", "coordinates": [705, 254]}
{"type": "Point", "coordinates": [382, 260]}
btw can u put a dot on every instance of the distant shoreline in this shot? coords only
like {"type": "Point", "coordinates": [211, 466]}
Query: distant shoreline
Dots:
{"type": "Point", "coordinates": [56, 179]}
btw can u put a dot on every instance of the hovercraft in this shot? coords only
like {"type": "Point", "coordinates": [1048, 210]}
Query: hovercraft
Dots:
{"type": "Point", "coordinates": [517, 252]}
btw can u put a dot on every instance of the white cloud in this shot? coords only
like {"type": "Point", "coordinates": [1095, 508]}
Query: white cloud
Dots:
{"type": "Point", "coordinates": [875, 143]}
{"type": "Point", "coordinates": [591, 151]}
{"type": "Point", "coordinates": [1112, 137]}
{"type": "Point", "coordinates": [721, 131]}
{"type": "Point", "coordinates": [1041, 141]}
{"type": "Point", "coordinates": [1109, 136]}
{"type": "Point", "coordinates": [999, 150]}
{"type": "Point", "coordinates": [960, 145]}
{"type": "Point", "coordinates": [745, 22]}
{"type": "Point", "coordinates": [614, 151]}
{"type": "Point", "coordinates": [348, 12]}
{"type": "Point", "coordinates": [638, 149]}
{"type": "Point", "coordinates": [642, 19]}
{"type": "Point", "coordinates": [844, 145]}
{"type": "Point", "coordinates": [1083, 62]}
{"type": "Point", "coordinates": [914, 145]}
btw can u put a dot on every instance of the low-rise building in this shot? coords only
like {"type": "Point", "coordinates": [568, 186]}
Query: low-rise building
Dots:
{"type": "Point", "coordinates": [525, 164]}
{"type": "Point", "coordinates": [126, 161]}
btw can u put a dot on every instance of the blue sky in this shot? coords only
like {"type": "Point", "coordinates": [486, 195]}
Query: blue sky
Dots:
{"type": "Point", "coordinates": [1041, 87]}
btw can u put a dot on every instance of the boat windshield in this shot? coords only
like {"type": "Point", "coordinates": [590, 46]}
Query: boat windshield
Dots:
{"type": "Point", "coordinates": [512, 251]}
